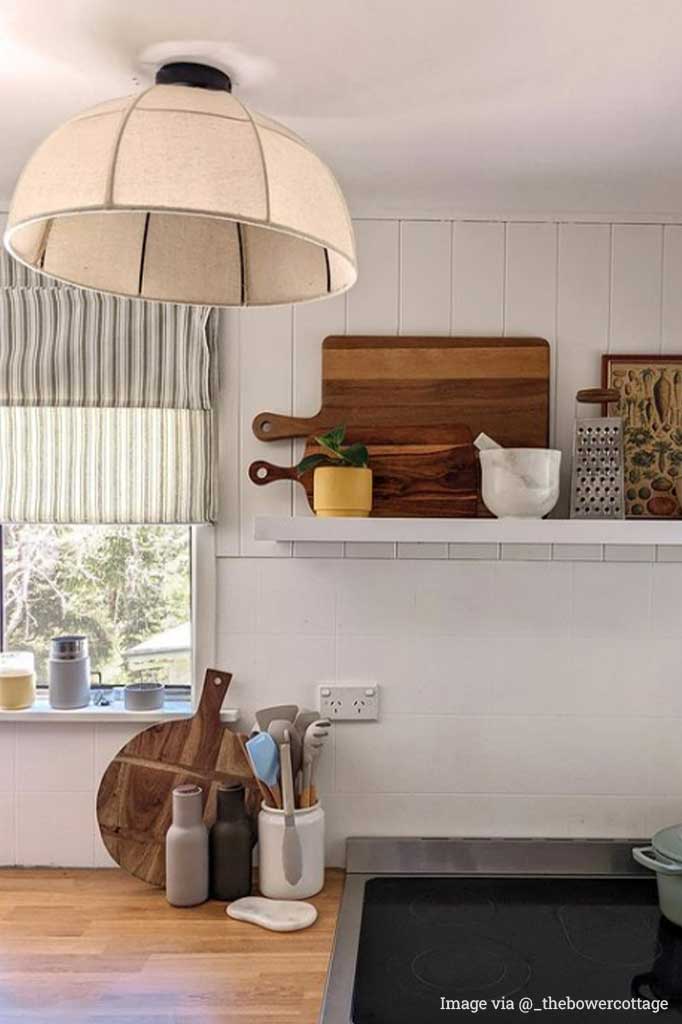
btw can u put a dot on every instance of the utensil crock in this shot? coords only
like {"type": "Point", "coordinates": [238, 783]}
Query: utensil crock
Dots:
{"type": "Point", "coordinates": [310, 832]}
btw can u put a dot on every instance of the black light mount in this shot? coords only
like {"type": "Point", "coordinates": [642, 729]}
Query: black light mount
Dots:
{"type": "Point", "coordinates": [201, 76]}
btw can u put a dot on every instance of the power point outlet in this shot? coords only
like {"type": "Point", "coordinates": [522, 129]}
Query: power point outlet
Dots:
{"type": "Point", "coordinates": [350, 703]}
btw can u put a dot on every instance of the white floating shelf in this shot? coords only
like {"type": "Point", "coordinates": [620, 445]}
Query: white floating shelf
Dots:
{"type": "Point", "coordinates": [473, 531]}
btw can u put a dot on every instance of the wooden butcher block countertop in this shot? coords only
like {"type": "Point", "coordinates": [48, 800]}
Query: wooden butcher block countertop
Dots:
{"type": "Point", "coordinates": [100, 947]}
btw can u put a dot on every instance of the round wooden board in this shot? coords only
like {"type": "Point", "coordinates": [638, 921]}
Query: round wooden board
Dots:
{"type": "Point", "coordinates": [134, 801]}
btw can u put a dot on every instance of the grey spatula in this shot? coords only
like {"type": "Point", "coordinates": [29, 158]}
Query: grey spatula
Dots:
{"type": "Point", "coordinates": [292, 859]}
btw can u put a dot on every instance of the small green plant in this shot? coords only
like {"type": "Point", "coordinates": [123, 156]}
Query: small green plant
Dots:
{"type": "Point", "coordinates": [335, 453]}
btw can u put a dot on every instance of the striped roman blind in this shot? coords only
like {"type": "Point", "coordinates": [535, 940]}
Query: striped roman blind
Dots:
{"type": "Point", "coordinates": [106, 406]}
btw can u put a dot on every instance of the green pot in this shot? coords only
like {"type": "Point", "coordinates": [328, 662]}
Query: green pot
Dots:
{"type": "Point", "coordinates": [664, 856]}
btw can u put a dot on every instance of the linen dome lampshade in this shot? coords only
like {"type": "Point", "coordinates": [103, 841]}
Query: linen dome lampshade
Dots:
{"type": "Point", "coordinates": [182, 194]}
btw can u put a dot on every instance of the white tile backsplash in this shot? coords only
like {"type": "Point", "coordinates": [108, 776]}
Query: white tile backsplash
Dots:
{"type": "Point", "coordinates": [56, 828]}
{"type": "Point", "coordinates": [611, 599]}
{"type": "Point", "coordinates": [7, 829]}
{"type": "Point", "coordinates": [7, 756]}
{"type": "Point", "coordinates": [666, 599]}
{"type": "Point", "coordinates": [269, 669]}
{"type": "Point", "coordinates": [54, 757]}
{"type": "Point", "coordinates": [530, 598]}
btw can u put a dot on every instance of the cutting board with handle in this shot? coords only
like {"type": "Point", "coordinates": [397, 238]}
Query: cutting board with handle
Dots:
{"type": "Point", "coordinates": [433, 480]}
{"type": "Point", "coordinates": [134, 801]}
{"type": "Point", "coordinates": [389, 390]}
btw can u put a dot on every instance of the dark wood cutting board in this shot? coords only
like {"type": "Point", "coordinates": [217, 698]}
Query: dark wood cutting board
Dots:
{"type": "Point", "coordinates": [134, 802]}
{"type": "Point", "coordinates": [436, 480]}
{"type": "Point", "coordinates": [389, 390]}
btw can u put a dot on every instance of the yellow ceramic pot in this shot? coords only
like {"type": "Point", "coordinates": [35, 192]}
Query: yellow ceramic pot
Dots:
{"type": "Point", "coordinates": [342, 491]}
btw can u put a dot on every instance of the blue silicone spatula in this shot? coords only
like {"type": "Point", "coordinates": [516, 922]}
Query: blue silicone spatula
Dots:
{"type": "Point", "coordinates": [264, 757]}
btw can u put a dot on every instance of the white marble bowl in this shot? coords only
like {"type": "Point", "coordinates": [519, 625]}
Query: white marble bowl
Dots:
{"type": "Point", "coordinates": [520, 483]}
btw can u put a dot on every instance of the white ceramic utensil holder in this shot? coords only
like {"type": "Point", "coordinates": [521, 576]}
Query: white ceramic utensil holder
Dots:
{"type": "Point", "coordinates": [310, 828]}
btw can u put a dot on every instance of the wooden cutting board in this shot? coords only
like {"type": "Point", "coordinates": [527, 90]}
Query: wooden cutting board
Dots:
{"type": "Point", "coordinates": [389, 390]}
{"type": "Point", "coordinates": [436, 480]}
{"type": "Point", "coordinates": [134, 802]}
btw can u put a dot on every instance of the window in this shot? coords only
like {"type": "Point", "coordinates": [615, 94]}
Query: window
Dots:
{"type": "Point", "coordinates": [127, 588]}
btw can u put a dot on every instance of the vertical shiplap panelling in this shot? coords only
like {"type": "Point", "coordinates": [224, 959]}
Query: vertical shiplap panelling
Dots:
{"type": "Point", "coordinates": [478, 255]}
{"type": "Point", "coordinates": [230, 479]}
{"type": "Point", "coordinates": [425, 277]}
{"type": "Point", "coordinates": [478, 278]}
{"type": "Point", "coordinates": [530, 293]}
{"type": "Point", "coordinates": [312, 323]}
{"type": "Point", "coordinates": [582, 329]}
{"type": "Point", "coordinates": [265, 363]}
{"type": "Point", "coordinates": [373, 301]}
{"type": "Point", "coordinates": [671, 314]}
{"type": "Point", "coordinates": [425, 282]}
{"type": "Point", "coordinates": [636, 288]}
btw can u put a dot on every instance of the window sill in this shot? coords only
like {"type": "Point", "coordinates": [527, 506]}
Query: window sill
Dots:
{"type": "Point", "coordinates": [172, 709]}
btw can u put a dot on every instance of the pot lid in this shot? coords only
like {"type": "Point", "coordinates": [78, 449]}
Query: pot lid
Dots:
{"type": "Point", "coordinates": [668, 842]}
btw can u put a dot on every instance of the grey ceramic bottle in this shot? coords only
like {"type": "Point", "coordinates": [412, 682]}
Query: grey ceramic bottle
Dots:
{"type": "Point", "coordinates": [231, 843]}
{"type": "Point", "coordinates": [187, 850]}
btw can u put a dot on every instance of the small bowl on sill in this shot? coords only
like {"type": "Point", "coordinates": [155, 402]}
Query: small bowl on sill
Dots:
{"type": "Point", "coordinates": [143, 696]}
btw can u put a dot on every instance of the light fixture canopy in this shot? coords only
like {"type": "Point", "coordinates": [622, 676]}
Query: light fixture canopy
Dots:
{"type": "Point", "coordinates": [182, 194]}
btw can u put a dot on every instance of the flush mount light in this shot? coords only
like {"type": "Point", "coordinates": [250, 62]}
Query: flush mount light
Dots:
{"type": "Point", "coordinates": [182, 194]}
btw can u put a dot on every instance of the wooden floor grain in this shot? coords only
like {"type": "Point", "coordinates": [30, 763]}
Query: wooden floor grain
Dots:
{"type": "Point", "coordinates": [100, 947]}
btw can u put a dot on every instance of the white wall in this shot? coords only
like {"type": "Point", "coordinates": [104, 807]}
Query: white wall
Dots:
{"type": "Point", "coordinates": [524, 693]}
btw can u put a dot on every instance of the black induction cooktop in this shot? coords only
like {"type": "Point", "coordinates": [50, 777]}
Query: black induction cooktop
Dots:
{"type": "Point", "coordinates": [433, 949]}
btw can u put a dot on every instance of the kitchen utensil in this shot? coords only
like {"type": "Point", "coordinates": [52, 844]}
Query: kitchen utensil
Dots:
{"type": "Point", "coordinates": [303, 719]}
{"type": "Point", "coordinates": [315, 736]}
{"type": "Point", "coordinates": [266, 715]}
{"type": "Point", "coordinates": [395, 390]}
{"type": "Point", "coordinates": [135, 794]}
{"type": "Point", "coordinates": [597, 483]}
{"type": "Point", "coordinates": [143, 696]}
{"type": "Point", "coordinates": [17, 680]}
{"type": "Point", "coordinates": [264, 757]}
{"type": "Point", "coordinates": [437, 480]}
{"type": "Point", "coordinates": [266, 795]}
{"type": "Point", "coordinates": [291, 844]}
{"type": "Point", "coordinates": [279, 729]}
{"type": "Point", "coordinates": [272, 881]}
{"type": "Point", "coordinates": [276, 915]}
{"type": "Point", "coordinates": [484, 443]}
{"type": "Point", "coordinates": [520, 482]}
{"type": "Point", "coordinates": [664, 856]}
{"type": "Point", "coordinates": [68, 670]}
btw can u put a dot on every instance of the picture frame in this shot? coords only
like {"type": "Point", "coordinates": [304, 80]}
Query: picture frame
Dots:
{"type": "Point", "coordinates": [651, 409]}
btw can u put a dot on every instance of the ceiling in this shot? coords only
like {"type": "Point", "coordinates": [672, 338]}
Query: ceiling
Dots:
{"type": "Point", "coordinates": [434, 107]}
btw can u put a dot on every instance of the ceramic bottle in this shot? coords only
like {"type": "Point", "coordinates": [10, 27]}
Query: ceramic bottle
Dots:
{"type": "Point", "coordinates": [187, 849]}
{"type": "Point", "coordinates": [230, 843]}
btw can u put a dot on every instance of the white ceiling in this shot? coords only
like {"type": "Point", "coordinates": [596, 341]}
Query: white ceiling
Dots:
{"type": "Point", "coordinates": [427, 106]}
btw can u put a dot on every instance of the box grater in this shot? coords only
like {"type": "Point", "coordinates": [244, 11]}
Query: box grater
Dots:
{"type": "Point", "coordinates": [597, 481]}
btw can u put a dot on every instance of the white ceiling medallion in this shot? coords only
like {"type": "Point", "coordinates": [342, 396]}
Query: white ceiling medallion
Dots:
{"type": "Point", "coordinates": [182, 194]}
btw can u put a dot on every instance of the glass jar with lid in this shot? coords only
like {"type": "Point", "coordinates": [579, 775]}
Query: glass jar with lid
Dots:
{"type": "Point", "coordinates": [17, 680]}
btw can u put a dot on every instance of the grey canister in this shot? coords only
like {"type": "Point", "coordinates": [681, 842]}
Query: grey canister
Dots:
{"type": "Point", "coordinates": [68, 670]}
{"type": "Point", "coordinates": [231, 841]}
{"type": "Point", "coordinates": [187, 849]}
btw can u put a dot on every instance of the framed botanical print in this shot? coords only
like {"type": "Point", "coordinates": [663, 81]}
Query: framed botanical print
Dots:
{"type": "Point", "coordinates": [650, 405]}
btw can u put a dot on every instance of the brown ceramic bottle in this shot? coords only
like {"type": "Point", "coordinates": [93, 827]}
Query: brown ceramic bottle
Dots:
{"type": "Point", "coordinates": [231, 841]}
